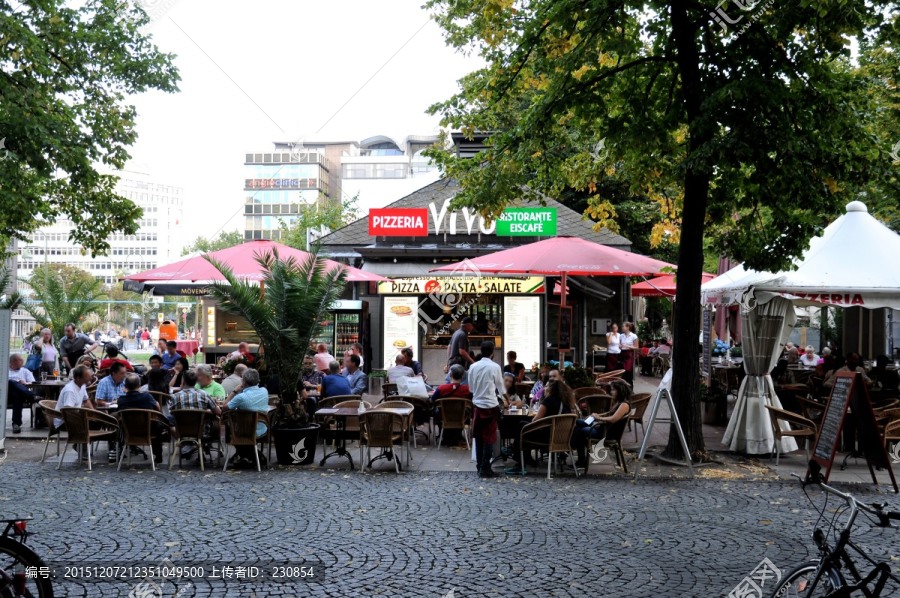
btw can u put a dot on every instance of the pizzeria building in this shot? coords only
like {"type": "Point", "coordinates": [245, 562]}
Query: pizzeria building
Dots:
{"type": "Point", "coordinates": [417, 308]}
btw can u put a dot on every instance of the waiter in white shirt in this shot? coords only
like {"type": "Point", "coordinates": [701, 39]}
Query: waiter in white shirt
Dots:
{"type": "Point", "coordinates": [486, 385]}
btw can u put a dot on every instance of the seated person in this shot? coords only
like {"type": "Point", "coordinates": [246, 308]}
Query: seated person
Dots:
{"type": "Point", "coordinates": [793, 356]}
{"type": "Point", "coordinates": [415, 365]}
{"type": "Point", "coordinates": [322, 358]}
{"type": "Point", "coordinates": [249, 396]}
{"type": "Point", "coordinates": [234, 379]}
{"type": "Point", "coordinates": [242, 352]}
{"type": "Point", "coordinates": [205, 382]}
{"type": "Point", "coordinates": [161, 347]}
{"type": "Point", "coordinates": [19, 379]}
{"type": "Point", "coordinates": [399, 370]}
{"type": "Point", "coordinates": [178, 369]}
{"type": "Point", "coordinates": [135, 399]}
{"type": "Point", "coordinates": [356, 378]}
{"type": "Point", "coordinates": [854, 364]}
{"type": "Point", "coordinates": [514, 367]}
{"type": "Point", "coordinates": [453, 389]}
{"type": "Point", "coordinates": [647, 355]}
{"type": "Point", "coordinates": [311, 378]}
{"type": "Point", "coordinates": [558, 399]}
{"type": "Point", "coordinates": [334, 384]}
{"type": "Point", "coordinates": [158, 379]}
{"type": "Point", "coordinates": [511, 399]}
{"type": "Point", "coordinates": [621, 407]}
{"type": "Point", "coordinates": [88, 362]}
{"type": "Point", "coordinates": [111, 387]}
{"type": "Point", "coordinates": [884, 378]}
{"type": "Point", "coordinates": [74, 394]}
{"type": "Point", "coordinates": [112, 356]}
{"type": "Point", "coordinates": [171, 355]}
{"type": "Point", "coordinates": [191, 396]}
{"type": "Point", "coordinates": [809, 358]}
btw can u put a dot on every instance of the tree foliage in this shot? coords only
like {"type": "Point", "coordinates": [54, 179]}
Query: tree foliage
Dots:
{"type": "Point", "coordinates": [223, 241]}
{"type": "Point", "coordinates": [757, 131]}
{"type": "Point", "coordinates": [330, 214]}
{"type": "Point", "coordinates": [66, 71]}
{"type": "Point", "coordinates": [63, 294]}
{"type": "Point", "coordinates": [10, 299]}
{"type": "Point", "coordinates": [286, 311]}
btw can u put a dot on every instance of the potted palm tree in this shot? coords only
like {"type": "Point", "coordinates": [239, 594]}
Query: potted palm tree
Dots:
{"type": "Point", "coordinates": [285, 309]}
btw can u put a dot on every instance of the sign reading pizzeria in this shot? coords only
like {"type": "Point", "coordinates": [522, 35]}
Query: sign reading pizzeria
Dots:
{"type": "Point", "coordinates": [465, 285]}
{"type": "Point", "coordinates": [398, 222]}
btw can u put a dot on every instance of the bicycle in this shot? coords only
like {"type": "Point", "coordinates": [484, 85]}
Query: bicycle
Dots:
{"type": "Point", "coordinates": [826, 575]}
{"type": "Point", "coordinates": [22, 572]}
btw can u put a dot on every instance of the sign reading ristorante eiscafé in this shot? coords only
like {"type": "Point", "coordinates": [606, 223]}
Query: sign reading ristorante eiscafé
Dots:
{"type": "Point", "coordinates": [465, 285]}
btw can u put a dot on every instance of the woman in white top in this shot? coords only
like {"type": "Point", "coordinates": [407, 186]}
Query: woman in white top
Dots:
{"type": "Point", "coordinates": [49, 352]}
{"type": "Point", "coordinates": [628, 341]}
{"type": "Point", "coordinates": [613, 348]}
{"type": "Point", "coordinates": [809, 359]}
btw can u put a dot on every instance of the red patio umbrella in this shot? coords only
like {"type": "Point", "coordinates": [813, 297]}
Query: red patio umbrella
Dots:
{"type": "Point", "coordinates": [196, 273]}
{"type": "Point", "coordinates": [661, 286]}
{"type": "Point", "coordinates": [563, 256]}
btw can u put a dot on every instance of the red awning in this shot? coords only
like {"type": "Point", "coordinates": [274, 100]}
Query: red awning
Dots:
{"type": "Point", "coordinates": [562, 255]}
{"type": "Point", "coordinates": [197, 273]}
{"type": "Point", "coordinates": [661, 286]}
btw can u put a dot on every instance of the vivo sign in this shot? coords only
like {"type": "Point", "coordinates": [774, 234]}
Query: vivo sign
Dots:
{"type": "Point", "coordinates": [414, 222]}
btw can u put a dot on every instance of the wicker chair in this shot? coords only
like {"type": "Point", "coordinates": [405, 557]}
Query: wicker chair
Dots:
{"type": "Point", "coordinates": [560, 429]}
{"type": "Point", "coordinates": [423, 413]}
{"type": "Point", "coordinates": [639, 403]}
{"type": "Point", "coordinates": [410, 424]}
{"type": "Point", "coordinates": [189, 427]}
{"type": "Point", "coordinates": [77, 421]}
{"type": "Point", "coordinates": [102, 373]}
{"type": "Point", "coordinates": [351, 423]}
{"type": "Point", "coordinates": [613, 441]}
{"type": "Point", "coordinates": [389, 389]}
{"type": "Point", "coordinates": [597, 403]}
{"type": "Point", "coordinates": [584, 391]}
{"type": "Point", "coordinates": [810, 409]}
{"type": "Point", "coordinates": [48, 406]}
{"type": "Point", "coordinates": [137, 429]}
{"type": "Point", "coordinates": [609, 376]}
{"type": "Point", "coordinates": [380, 429]}
{"type": "Point", "coordinates": [331, 402]}
{"type": "Point", "coordinates": [802, 428]}
{"type": "Point", "coordinates": [892, 435]}
{"type": "Point", "coordinates": [242, 424]}
{"type": "Point", "coordinates": [455, 412]}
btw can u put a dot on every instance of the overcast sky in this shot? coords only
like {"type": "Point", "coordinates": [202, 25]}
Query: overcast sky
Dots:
{"type": "Point", "coordinates": [253, 73]}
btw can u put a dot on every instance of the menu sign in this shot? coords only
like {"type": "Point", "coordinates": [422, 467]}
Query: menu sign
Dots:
{"type": "Point", "coordinates": [522, 328]}
{"type": "Point", "coordinates": [464, 285]}
{"type": "Point", "coordinates": [706, 362]}
{"type": "Point", "coordinates": [401, 327]}
{"type": "Point", "coordinates": [527, 222]}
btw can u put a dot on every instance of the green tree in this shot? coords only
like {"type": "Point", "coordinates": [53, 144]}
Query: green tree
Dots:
{"type": "Point", "coordinates": [285, 310]}
{"type": "Point", "coordinates": [63, 294]}
{"type": "Point", "coordinates": [758, 130]}
{"type": "Point", "coordinates": [223, 241]}
{"type": "Point", "coordinates": [66, 73]}
{"type": "Point", "coordinates": [13, 299]}
{"type": "Point", "coordinates": [330, 214]}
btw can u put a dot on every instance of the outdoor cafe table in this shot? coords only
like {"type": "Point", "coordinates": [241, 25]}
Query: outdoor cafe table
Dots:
{"type": "Point", "coordinates": [188, 346]}
{"type": "Point", "coordinates": [340, 415]}
{"type": "Point", "coordinates": [50, 390]}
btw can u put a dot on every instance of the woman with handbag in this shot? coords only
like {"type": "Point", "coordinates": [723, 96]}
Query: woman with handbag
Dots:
{"type": "Point", "coordinates": [47, 353]}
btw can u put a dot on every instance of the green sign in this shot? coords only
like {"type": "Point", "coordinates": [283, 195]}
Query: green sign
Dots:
{"type": "Point", "coordinates": [527, 222]}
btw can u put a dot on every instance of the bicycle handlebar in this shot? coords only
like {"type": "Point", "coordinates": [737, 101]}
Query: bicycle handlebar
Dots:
{"type": "Point", "coordinates": [815, 477]}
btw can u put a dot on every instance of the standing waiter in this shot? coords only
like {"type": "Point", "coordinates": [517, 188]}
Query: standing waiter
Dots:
{"type": "Point", "coordinates": [458, 351]}
{"type": "Point", "coordinates": [74, 345]}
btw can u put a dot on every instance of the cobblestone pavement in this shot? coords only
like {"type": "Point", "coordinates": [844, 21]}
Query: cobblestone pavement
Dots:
{"type": "Point", "coordinates": [415, 534]}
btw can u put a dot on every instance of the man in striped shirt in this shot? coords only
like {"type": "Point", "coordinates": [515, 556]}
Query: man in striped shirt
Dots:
{"type": "Point", "coordinates": [192, 398]}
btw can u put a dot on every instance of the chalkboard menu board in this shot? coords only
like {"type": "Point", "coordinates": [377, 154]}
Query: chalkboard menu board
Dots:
{"type": "Point", "coordinates": [850, 391]}
{"type": "Point", "coordinates": [705, 365]}
{"type": "Point", "coordinates": [565, 328]}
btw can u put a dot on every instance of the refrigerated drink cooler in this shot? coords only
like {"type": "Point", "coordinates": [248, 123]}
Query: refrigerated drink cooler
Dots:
{"type": "Point", "coordinates": [346, 324]}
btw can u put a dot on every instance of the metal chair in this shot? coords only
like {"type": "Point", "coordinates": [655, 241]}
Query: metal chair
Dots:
{"type": "Point", "coordinates": [380, 429]}
{"type": "Point", "coordinates": [242, 425]}
{"type": "Point", "coordinates": [137, 429]}
{"type": "Point", "coordinates": [77, 421]}
{"type": "Point", "coordinates": [190, 424]}
{"type": "Point", "coordinates": [50, 414]}
{"type": "Point", "coordinates": [560, 428]}
{"type": "Point", "coordinates": [454, 414]}
{"type": "Point", "coordinates": [389, 389]}
{"type": "Point", "coordinates": [804, 428]}
{"type": "Point", "coordinates": [423, 413]}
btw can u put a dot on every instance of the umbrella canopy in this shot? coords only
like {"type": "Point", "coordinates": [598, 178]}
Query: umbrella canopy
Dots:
{"type": "Point", "coordinates": [192, 275]}
{"type": "Point", "coordinates": [851, 263]}
{"type": "Point", "coordinates": [661, 286]}
{"type": "Point", "coordinates": [564, 256]}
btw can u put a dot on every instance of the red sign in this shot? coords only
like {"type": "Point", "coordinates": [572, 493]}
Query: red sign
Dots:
{"type": "Point", "coordinates": [398, 222]}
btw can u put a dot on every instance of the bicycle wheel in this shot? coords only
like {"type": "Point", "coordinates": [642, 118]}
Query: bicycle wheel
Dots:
{"type": "Point", "coordinates": [799, 582]}
{"type": "Point", "coordinates": [14, 558]}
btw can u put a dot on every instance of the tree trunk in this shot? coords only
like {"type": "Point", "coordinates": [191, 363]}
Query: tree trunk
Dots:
{"type": "Point", "coordinates": [685, 351]}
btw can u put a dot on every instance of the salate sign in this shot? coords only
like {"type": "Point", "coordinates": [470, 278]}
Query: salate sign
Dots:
{"type": "Point", "coordinates": [398, 222]}
{"type": "Point", "coordinates": [465, 285]}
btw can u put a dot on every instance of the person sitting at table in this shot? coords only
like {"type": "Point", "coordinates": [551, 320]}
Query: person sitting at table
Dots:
{"type": "Point", "coordinates": [19, 379]}
{"type": "Point", "coordinates": [537, 391]}
{"type": "Point", "coordinates": [249, 396]}
{"type": "Point", "coordinates": [112, 356]}
{"type": "Point", "coordinates": [310, 377]}
{"type": "Point", "coordinates": [178, 369]}
{"type": "Point", "coordinates": [453, 389]}
{"type": "Point", "coordinates": [415, 365]}
{"type": "Point", "coordinates": [111, 387]}
{"type": "Point", "coordinates": [204, 381]}
{"type": "Point", "coordinates": [242, 352]}
{"type": "Point", "coordinates": [809, 358]}
{"type": "Point", "coordinates": [621, 407]}
{"type": "Point", "coordinates": [793, 356]}
{"type": "Point", "coordinates": [88, 362]}
{"type": "Point", "coordinates": [511, 399]}
{"type": "Point", "coordinates": [514, 367]}
{"type": "Point", "coordinates": [158, 379]}
{"type": "Point", "coordinates": [399, 369]}
{"type": "Point", "coordinates": [648, 353]}
{"type": "Point", "coordinates": [171, 356]}
{"type": "Point", "coordinates": [854, 364]}
{"type": "Point", "coordinates": [135, 399]}
{"type": "Point", "coordinates": [322, 358]}
{"type": "Point", "coordinates": [161, 347]}
{"type": "Point", "coordinates": [234, 380]}
{"type": "Point", "coordinates": [558, 399]}
{"type": "Point", "coordinates": [74, 393]}
{"type": "Point", "coordinates": [359, 382]}
{"type": "Point", "coordinates": [334, 384]}
{"type": "Point", "coordinates": [884, 378]}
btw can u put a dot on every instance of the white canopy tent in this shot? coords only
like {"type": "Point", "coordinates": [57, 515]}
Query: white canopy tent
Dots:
{"type": "Point", "coordinates": [850, 264]}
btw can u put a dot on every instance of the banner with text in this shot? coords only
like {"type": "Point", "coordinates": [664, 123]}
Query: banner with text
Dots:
{"type": "Point", "coordinates": [465, 285]}
{"type": "Point", "coordinates": [527, 222]}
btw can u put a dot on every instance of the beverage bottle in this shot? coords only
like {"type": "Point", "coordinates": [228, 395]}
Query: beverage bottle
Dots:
{"type": "Point", "coordinates": [362, 407]}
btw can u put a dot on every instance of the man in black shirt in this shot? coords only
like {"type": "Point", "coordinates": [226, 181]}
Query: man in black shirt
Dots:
{"type": "Point", "coordinates": [135, 399]}
{"type": "Point", "coordinates": [514, 367]}
{"type": "Point", "coordinates": [73, 345]}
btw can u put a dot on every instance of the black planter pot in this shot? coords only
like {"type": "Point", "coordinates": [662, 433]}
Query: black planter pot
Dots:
{"type": "Point", "coordinates": [296, 446]}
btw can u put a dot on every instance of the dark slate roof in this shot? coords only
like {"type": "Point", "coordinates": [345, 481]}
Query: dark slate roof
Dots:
{"type": "Point", "coordinates": [569, 222]}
